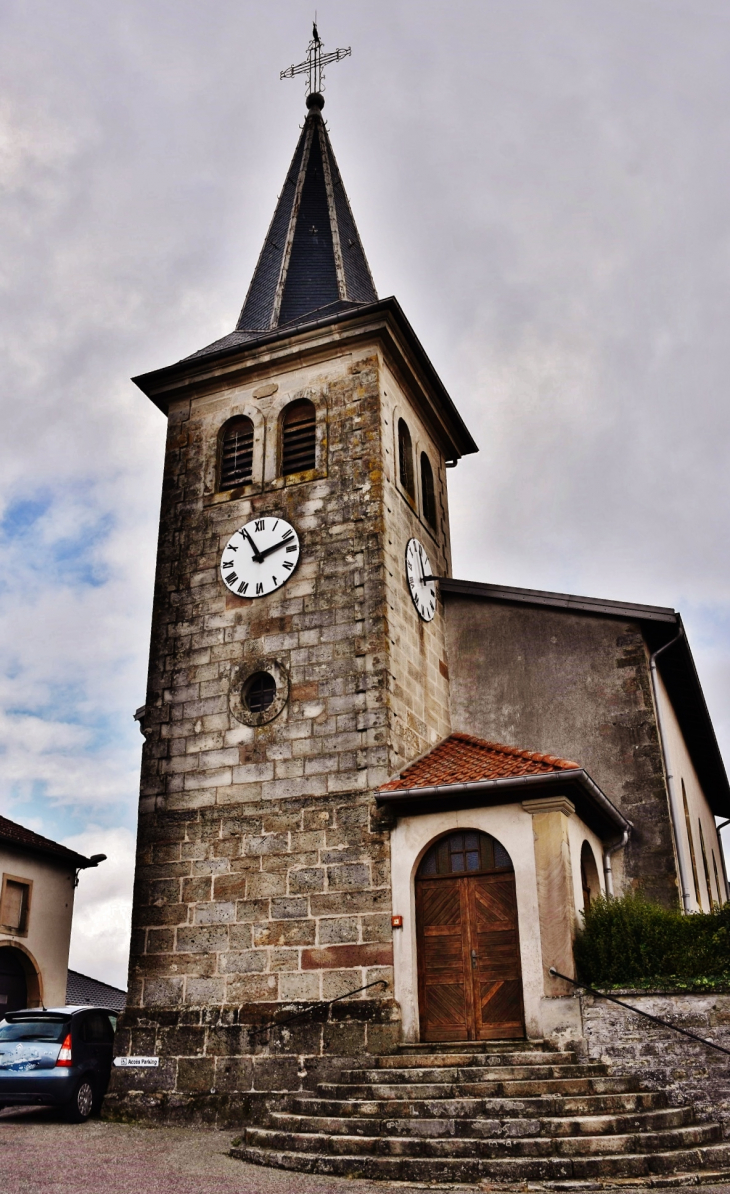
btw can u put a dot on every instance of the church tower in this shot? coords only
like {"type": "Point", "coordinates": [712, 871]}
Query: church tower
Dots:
{"type": "Point", "coordinates": [297, 655]}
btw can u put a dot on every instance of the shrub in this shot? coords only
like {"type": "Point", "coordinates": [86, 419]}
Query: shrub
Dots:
{"type": "Point", "coordinates": [630, 940]}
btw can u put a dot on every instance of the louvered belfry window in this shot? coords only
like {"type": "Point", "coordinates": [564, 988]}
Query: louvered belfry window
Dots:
{"type": "Point", "coordinates": [428, 495]}
{"type": "Point", "coordinates": [298, 437]}
{"type": "Point", "coordinates": [237, 453]}
{"type": "Point", "coordinates": [405, 458]}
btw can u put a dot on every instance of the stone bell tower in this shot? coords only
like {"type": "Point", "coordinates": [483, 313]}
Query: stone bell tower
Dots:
{"type": "Point", "coordinates": [263, 865]}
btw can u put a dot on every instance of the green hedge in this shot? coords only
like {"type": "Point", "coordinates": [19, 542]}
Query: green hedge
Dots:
{"type": "Point", "coordinates": [632, 942]}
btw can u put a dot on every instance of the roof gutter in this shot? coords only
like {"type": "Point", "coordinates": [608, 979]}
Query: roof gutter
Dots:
{"type": "Point", "coordinates": [513, 783]}
{"type": "Point", "coordinates": [674, 809]}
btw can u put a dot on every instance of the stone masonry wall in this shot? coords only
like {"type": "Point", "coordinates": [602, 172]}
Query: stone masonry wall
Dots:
{"type": "Point", "coordinates": [263, 868]}
{"type": "Point", "coordinates": [689, 1071]}
{"type": "Point", "coordinates": [418, 664]}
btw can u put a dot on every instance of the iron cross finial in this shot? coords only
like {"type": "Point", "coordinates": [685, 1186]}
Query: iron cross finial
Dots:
{"type": "Point", "coordinates": [314, 64]}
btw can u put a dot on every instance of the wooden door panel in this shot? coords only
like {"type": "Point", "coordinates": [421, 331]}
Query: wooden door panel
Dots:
{"type": "Point", "coordinates": [441, 903]}
{"type": "Point", "coordinates": [444, 954]}
{"type": "Point", "coordinates": [499, 1010]}
{"type": "Point", "coordinates": [497, 955]}
{"type": "Point", "coordinates": [444, 983]}
{"type": "Point", "coordinates": [446, 1011]}
{"type": "Point", "coordinates": [465, 995]}
{"type": "Point", "coordinates": [495, 903]}
{"type": "Point", "coordinates": [497, 972]}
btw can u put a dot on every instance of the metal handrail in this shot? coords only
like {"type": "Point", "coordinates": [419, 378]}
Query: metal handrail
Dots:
{"type": "Point", "coordinates": [655, 1019]}
{"type": "Point", "coordinates": [381, 982]}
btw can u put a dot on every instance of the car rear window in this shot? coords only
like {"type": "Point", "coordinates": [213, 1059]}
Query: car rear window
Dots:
{"type": "Point", "coordinates": [36, 1028]}
{"type": "Point", "coordinates": [97, 1028]}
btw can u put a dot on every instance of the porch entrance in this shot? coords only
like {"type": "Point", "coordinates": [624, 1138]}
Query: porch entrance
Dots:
{"type": "Point", "coordinates": [469, 975]}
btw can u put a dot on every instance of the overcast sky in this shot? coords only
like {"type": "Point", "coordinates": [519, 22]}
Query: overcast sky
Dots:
{"type": "Point", "coordinates": [543, 184]}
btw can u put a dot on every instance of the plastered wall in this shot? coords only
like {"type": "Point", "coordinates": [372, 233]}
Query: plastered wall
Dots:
{"type": "Point", "coordinates": [700, 816]}
{"type": "Point", "coordinates": [576, 686]}
{"type": "Point", "coordinates": [46, 943]}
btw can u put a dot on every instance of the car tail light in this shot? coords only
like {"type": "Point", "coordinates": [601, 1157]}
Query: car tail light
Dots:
{"type": "Point", "coordinates": [64, 1056]}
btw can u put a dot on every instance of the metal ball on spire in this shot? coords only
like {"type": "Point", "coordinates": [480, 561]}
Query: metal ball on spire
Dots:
{"type": "Point", "coordinates": [313, 67]}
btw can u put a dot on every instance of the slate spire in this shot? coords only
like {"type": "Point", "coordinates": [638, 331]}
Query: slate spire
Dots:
{"type": "Point", "coordinates": [312, 259]}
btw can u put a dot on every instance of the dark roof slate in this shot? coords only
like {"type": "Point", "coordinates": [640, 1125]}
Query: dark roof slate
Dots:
{"type": "Point", "coordinates": [81, 989]}
{"type": "Point", "coordinates": [312, 255]}
{"type": "Point", "coordinates": [17, 835]}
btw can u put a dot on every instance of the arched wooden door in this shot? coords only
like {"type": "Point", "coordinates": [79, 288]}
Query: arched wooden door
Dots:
{"type": "Point", "coordinates": [469, 975]}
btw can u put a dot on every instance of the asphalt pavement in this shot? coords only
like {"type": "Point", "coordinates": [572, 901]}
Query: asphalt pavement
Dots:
{"type": "Point", "coordinates": [39, 1154]}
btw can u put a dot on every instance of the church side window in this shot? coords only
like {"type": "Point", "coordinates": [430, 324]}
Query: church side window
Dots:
{"type": "Point", "coordinates": [717, 877]}
{"type": "Point", "coordinates": [405, 458]}
{"type": "Point", "coordinates": [237, 453]}
{"type": "Point", "coordinates": [705, 866]}
{"type": "Point", "coordinates": [688, 823]}
{"type": "Point", "coordinates": [298, 437]}
{"type": "Point", "coordinates": [428, 493]}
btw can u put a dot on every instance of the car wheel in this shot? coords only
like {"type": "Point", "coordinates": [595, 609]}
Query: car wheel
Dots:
{"type": "Point", "coordinates": [79, 1107]}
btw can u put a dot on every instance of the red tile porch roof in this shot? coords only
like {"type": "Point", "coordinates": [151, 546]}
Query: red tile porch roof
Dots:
{"type": "Point", "coordinates": [460, 758]}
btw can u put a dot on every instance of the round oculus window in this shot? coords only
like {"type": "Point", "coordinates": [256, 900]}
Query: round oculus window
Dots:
{"type": "Point", "coordinates": [259, 692]}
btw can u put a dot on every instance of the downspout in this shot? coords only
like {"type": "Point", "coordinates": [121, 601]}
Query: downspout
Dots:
{"type": "Point", "coordinates": [674, 809]}
{"type": "Point", "coordinates": [607, 869]}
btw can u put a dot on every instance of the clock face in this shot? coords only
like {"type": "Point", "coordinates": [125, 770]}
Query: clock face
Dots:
{"type": "Point", "coordinates": [420, 579]}
{"type": "Point", "coordinates": [260, 557]}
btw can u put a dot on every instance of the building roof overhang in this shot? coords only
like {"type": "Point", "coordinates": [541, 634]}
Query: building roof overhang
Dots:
{"type": "Point", "coordinates": [591, 804]}
{"type": "Point", "coordinates": [659, 626]}
{"type": "Point", "coordinates": [17, 837]}
{"type": "Point", "coordinates": [243, 357]}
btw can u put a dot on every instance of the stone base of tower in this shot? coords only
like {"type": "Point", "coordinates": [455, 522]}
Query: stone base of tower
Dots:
{"type": "Point", "coordinates": [213, 1070]}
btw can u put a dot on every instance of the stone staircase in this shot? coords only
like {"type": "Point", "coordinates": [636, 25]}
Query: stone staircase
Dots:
{"type": "Point", "coordinates": [502, 1111]}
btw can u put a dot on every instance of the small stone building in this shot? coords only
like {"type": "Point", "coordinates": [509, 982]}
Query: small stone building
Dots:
{"type": "Point", "coordinates": [363, 780]}
{"type": "Point", "coordinates": [38, 880]}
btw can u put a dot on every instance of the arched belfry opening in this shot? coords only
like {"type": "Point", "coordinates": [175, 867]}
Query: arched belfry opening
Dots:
{"type": "Point", "coordinates": [469, 973]}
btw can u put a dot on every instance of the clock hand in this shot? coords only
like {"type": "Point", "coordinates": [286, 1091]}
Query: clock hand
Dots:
{"type": "Point", "coordinates": [256, 553]}
{"type": "Point", "coordinates": [275, 547]}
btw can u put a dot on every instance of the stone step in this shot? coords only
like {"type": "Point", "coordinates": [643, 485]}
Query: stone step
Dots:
{"type": "Point", "coordinates": [592, 1126]}
{"type": "Point", "coordinates": [508, 1088]}
{"type": "Point", "coordinates": [462, 1169]}
{"type": "Point", "coordinates": [511, 1046]}
{"type": "Point", "coordinates": [532, 1073]}
{"type": "Point", "coordinates": [674, 1161]}
{"type": "Point", "coordinates": [424, 1060]}
{"type": "Point", "coordinates": [472, 1169]}
{"type": "Point", "coordinates": [693, 1136]}
{"type": "Point", "coordinates": [472, 1108]}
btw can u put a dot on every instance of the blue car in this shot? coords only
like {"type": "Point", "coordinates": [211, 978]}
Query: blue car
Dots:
{"type": "Point", "coordinates": [59, 1056]}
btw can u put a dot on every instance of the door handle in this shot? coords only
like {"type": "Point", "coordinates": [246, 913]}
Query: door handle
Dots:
{"type": "Point", "coordinates": [473, 959]}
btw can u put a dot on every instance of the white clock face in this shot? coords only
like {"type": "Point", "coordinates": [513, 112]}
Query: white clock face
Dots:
{"type": "Point", "coordinates": [260, 557]}
{"type": "Point", "coordinates": [420, 579]}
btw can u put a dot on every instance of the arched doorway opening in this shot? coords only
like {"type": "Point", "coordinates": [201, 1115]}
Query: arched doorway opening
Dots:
{"type": "Point", "coordinates": [590, 882]}
{"type": "Point", "coordinates": [13, 984]}
{"type": "Point", "coordinates": [469, 974]}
